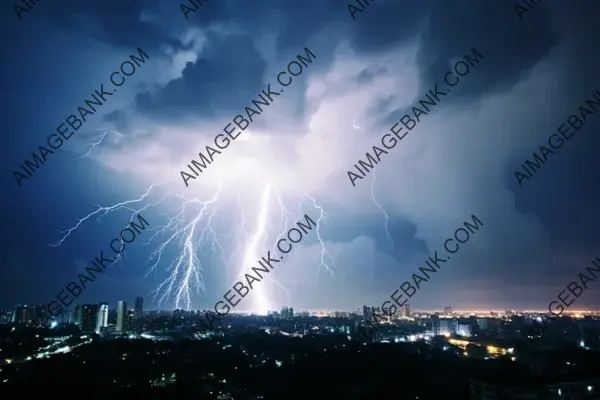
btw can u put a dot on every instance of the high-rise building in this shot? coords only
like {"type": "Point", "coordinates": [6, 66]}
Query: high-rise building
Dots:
{"type": "Point", "coordinates": [484, 323]}
{"type": "Point", "coordinates": [19, 314]}
{"type": "Point", "coordinates": [121, 315]}
{"type": "Point", "coordinates": [129, 319]}
{"type": "Point", "coordinates": [77, 312]}
{"type": "Point", "coordinates": [102, 321]}
{"type": "Point", "coordinates": [287, 313]}
{"type": "Point", "coordinates": [137, 310]}
{"type": "Point", "coordinates": [367, 313]}
{"type": "Point", "coordinates": [26, 314]}
{"type": "Point", "coordinates": [6, 316]}
{"type": "Point", "coordinates": [435, 325]}
{"type": "Point", "coordinates": [447, 310]}
{"type": "Point", "coordinates": [464, 330]}
{"type": "Point", "coordinates": [67, 317]}
{"type": "Point", "coordinates": [88, 317]}
{"type": "Point", "coordinates": [448, 327]}
{"type": "Point", "coordinates": [407, 310]}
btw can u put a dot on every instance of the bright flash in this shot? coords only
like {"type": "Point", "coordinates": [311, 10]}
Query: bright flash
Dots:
{"type": "Point", "coordinates": [191, 233]}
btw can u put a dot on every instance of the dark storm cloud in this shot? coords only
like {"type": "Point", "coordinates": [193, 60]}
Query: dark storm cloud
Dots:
{"type": "Point", "coordinates": [114, 23]}
{"type": "Point", "coordinates": [401, 230]}
{"type": "Point", "coordinates": [367, 76]}
{"type": "Point", "coordinates": [492, 27]}
{"type": "Point", "coordinates": [448, 32]}
{"type": "Point", "coordinates": [388, 24]}
{"type": "Point", "coordinates": [114, 116]}
{"type": "Point", "coordinates": [294, 22]}
{"type": "Point", "coordinates": [445, 32]}
{"type": "Point", "coordinates": [580, 21]}
{"type": "Point", "coordinates": [227, 75]}
{"type": "Point", "coordinates": [230, 71]}
{"type": "Point", "coordinates": [234, 62]}
{"type": "Point", "coordinates": [230, 62]}
{"type": "Point", "coordinates": [510, 47]}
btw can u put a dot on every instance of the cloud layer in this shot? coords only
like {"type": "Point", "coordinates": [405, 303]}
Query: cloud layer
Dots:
{"type": "Point", "coordinates": [458, 161]}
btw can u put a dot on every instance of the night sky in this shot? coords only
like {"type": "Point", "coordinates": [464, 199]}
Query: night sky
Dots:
{"type": "Point", "coordinates": [202, 71]}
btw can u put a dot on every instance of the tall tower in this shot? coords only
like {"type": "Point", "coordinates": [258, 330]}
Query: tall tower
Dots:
{"type": "Point", "coordinates": [102, 321]}
{"type": "Point", "coordinates": [121, 315]}
{"type": "Point", "coordinates": [19, 315]}
{"type": "Point", "coordinates": [77, 314]}
{"type": "Point", "coordinates": [137, 310]}
{"type": "Point", "coordinates": [367, 313]}
{"type": "Point", "coordinates": [89, 317]}
{"type": "Point", "coordinates": [435, 325]}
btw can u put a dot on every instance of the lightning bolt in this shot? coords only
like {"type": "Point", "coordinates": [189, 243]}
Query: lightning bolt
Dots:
{"type": "Point", "coordinates": [102, 211]}
{"type": "Point", "coordinates": [326, 257]}
{"type": "Point", "coordinates": [251, 251]}
{"type": "Point", "coordinates": [190, 228]}
{"type": "Point", "coordinates": [185, 271]}
{"type": "Point", "coordinates": [385, 214]}
{"type": "Point", "coordinates": [97, 141]}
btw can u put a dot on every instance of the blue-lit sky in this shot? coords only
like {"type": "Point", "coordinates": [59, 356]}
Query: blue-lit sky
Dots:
{"type": "Point", "coordinates": [203, 71]}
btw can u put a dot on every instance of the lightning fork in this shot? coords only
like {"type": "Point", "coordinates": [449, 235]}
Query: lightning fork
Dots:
{"type": "Point", "coordinates": [325, 255]}
{"type": "Point", "coordinates": [191, 226]}
{"type": "Point", "coordinates": [97, 141]}
{"type": "Point", "coordinates": [185, 271]}
{"type": "Point", "coordinates": [102, 211]}
{"type": "Point", "coordinates": [385, 214]}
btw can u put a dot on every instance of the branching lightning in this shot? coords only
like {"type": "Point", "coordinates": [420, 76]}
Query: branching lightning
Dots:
{"type": "Point", "coordinates": [326, 257]}
{"type": "Point", "coordinates": [385, 214]}
{"type": "Point", "coordinates": [190, 231]}
{"type": "Point", "coordinates": [102, 211]}
{"type": "Point", "coordinates": [97, 141]}
{"type": "Point", "coordinates": [381, 209]}
{"type": "Point", "coordinates": [185, 271]}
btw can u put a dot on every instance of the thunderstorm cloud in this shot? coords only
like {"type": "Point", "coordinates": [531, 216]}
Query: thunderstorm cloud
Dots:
{"type": "Point", "coordinates": [458, 161]}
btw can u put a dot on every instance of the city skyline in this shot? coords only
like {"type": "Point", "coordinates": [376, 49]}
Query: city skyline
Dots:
{"type": "Point", "coordinates": [357, 310]}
